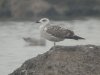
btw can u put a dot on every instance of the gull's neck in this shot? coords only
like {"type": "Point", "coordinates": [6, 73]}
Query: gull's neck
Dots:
{"type": "Point", "coordinates": [43, 25]}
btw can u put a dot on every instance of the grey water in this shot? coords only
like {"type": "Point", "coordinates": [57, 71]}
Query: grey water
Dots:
{"type": "Point", "coordinates": [14, 50]}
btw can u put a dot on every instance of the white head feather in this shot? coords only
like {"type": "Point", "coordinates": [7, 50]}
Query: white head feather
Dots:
{"type": "Point", "coordinates": [44, 21]}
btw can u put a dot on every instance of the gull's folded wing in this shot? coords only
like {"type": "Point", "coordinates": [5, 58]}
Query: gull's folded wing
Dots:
{"type": "Point", "coordinates": [59, 32]}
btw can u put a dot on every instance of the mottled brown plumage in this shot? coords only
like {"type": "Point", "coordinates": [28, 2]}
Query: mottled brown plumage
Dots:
{"type": "Point", "coordinates": [60, 32]}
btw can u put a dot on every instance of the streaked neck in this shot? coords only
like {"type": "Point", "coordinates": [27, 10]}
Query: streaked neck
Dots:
{"type": "Point", "coordinates": [43, 25]}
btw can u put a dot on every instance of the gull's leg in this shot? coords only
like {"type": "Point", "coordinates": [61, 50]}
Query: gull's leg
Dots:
{"type": "Point", "coordinates": [54, 44]}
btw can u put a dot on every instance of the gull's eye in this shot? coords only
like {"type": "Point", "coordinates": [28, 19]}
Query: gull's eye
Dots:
{"type": "Point", "coordinates": [44, 20]}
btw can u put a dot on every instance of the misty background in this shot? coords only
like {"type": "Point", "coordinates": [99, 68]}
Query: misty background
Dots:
{"type": "Point", "coordinates": [20, 36]}
{"type": "Point", "coordinates": [53, 9]}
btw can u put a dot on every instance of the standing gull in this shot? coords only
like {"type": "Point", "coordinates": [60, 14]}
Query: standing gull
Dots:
{"type": "Point", "coordinates": [55, 33]}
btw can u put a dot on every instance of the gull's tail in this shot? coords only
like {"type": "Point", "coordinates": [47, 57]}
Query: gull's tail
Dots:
{"type": "Point", "coordinates": [78, 37]}
{"type": "Point", "coordinates": [75, 37]}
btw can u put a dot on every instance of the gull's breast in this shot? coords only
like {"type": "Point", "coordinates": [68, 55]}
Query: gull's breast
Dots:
{"type": "Point", "coordinates": [49, 37]}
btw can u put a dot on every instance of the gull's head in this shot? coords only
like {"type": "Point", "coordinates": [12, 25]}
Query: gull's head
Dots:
{"type": "Point", "coordinates": [43, 21]}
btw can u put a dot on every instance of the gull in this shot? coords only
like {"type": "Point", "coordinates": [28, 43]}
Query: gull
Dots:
{"type": "Point", "coordinates": [34, 42]}
{"type": "Point", "coordinates": [55, 32]}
